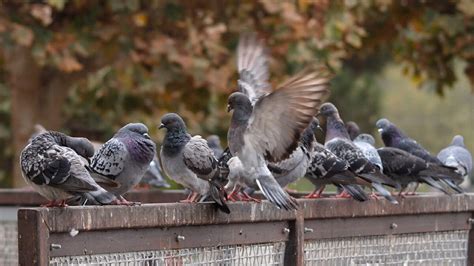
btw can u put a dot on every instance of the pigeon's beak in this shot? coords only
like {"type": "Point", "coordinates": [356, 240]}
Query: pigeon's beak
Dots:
{"type": "Point", "coordinates": [146, 135]}
{"type": "Point", "coordinates": [161, 126]}
{"type": "Point", "coordinates": [380, 130]}
{"type": "Point", "coordinates": [229, 108]}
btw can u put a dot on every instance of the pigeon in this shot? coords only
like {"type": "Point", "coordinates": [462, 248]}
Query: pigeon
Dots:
{"type": "Point", "coordinates": [326, 168]}
{"type": "Point", "coordinates": [366, 144]}
{"type": "Point", "coordinates": [214, 143]}
{"type": "Point", "coordinates": [394, 137]}
{"type": "Point", "coordinates": [190, 162]}
{"type": "Point", "coordinates": [353, 129]}
{"type": "Point", "coordinates": [269, 131]}
{"type": "Point", "coordinates": [405, 168]}
{"type": "Point", "coordinates": [456, 155]}
{"type": "Point", "coordinates": [339, 143]}
{"type": "Point", "coordinates": [153, 176]}
{"type": "Point", "coordinates": [122, 161]}
{"type": "Point", "coordinates": [52, 164]}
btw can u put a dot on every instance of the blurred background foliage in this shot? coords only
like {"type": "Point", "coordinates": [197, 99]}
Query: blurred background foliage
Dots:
{"type": "Point", "coordinates": [89, 67]}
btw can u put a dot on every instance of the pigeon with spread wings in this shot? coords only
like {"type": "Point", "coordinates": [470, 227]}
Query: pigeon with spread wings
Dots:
{"type": "Point", "coordinates": [269, 131]}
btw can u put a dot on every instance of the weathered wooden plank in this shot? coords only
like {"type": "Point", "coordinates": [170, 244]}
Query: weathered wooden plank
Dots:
{"type": "Point", "coordinates": [178, 214]}
{"type": "Point", "coordinates": [32, 238]}
{"type": "Point", "coordinates": [294, 251]}
{"type": "Point", "coordinates": [386, 225]}
{"type": "Point", "coordinates": [470, 246]}
{"type": "Point", "coordinates": [129, 240]}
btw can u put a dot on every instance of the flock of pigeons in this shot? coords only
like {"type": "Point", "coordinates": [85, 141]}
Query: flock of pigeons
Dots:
{"type": "Point", "coordinates": [271, 143]}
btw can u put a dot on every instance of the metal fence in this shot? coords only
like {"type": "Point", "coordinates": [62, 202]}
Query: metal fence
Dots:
{"type": "Point", "coordinates": [421, 230]}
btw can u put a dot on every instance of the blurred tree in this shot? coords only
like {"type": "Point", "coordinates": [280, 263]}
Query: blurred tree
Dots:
{"type": "Point", "coordinates": [91, 66]}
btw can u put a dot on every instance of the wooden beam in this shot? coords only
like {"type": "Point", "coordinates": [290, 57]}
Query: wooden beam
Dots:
{"type": "Point", "coordinates": [33, 237]}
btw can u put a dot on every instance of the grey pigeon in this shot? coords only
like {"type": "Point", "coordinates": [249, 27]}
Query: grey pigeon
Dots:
{"type": "Point", "coordinates": [353, 129]}
{"type": "Point", "coordinates": [154, 176]}
{"type": "Point", "coordinates": [338, 142]}
{"type": "Point", "coordinates": [214, 142]}
{"type": "Point", "coordinates": [190, 162]}
{"type": "Point", "coordinates": [392, 136]}
{"type": "Point", "coordinates": [405, 168]}
{"type": "Point", "coordinates": [270, 130]}
{"type": "Point", "coordinates": [456, 155]}
{"type": "Point", "coordinates": [326, 168]}
{"type": "Point", "coordinates": [366, 144]}
{"type": "Point", "coordinates": [123, 160]}
{"type": "Point", "coordinates": [52, 164]}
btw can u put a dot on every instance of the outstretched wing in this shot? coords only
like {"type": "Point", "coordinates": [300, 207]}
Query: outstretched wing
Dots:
{"type": "Point", "coordinates": [252, 64]}
{"type": "Point", "coordinates": [279, 118]}
{"type": "Point", "coordinates": [199, 158]}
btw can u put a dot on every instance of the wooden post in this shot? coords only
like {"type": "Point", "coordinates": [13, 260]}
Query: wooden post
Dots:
{"type": "Point", "coordinates": [294, 253]}
{"type": "Point", "coordinates": [470, 243]}
{"type": "Point", "coordinates": [33, 237]}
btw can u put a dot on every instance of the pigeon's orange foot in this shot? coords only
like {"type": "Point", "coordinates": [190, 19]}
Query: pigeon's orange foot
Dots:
{"type": "Point", "coordinates": [247, 197]}
{"type": "Point", "coordinates": [374, 196]}
{"type": "Point", "coordinates": [343, 195]}
{"type": "Point", "coordinates": [55, 203]}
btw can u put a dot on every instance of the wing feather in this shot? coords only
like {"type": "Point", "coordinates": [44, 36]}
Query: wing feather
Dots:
{"type": "Point", "coordinates": [199, 158]}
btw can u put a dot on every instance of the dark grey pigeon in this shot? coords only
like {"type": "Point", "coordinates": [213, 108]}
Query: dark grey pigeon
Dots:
{"type": "Point", "coordinates": [252, 65]}
{"type": "Point", "coordinates": [214, 142]}
{"type": "Point", "coordinates": [52, 164]}
{"type": "Point", "coordinates": [366, 144]}
{"type": "Point", "coordinates": [353, 129]}
{"type": "Point", "coordinates": [456, 155]}
{"type": "Point", "coordinates": [394, 137]}
{"type": "Point", "coordinates": [123, 160]}
{"type": "Point", "coordinates": [190, 162]}
{"type": "Point", "coordinates": [405, 168]}
{"type": "Point", "coordinates": [270, 130]}
{"type": "Point", "coordinates": [339, 143]}
{"type": "Point", "coordinates": [326, 168]}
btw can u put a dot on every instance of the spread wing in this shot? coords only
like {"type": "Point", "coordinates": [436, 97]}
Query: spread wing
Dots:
{"type": "Point", "coordinates": [199, 158]}
{"type": "Point", "coordinates": [252, 64]}
{"type": "Point", "coordinates": [290, 163]}
{"type": "Point", "coordinates": [109, 160]}
{"type": "Point", "coordinates": [279, 118]}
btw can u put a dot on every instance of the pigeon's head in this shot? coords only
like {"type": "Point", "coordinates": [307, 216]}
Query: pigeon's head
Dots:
{"type": "Point", "coordinates": [172, 121]}
{"type": "Point", "coordinates": [353, 129]}
{"type": "Point", "coordinates": [213, 141]}
{"type": "Point", "coordinates": [328, 109]}
{"type": "Point", "coordinates": [458, 140]}
{"type": "Point", "coordinates": [383, 125]}
{"type": "Point", "coordinates": [314, 125]}
{"type": "Point", "coordinates": [238, 100]}
{"type": "Point", "coordinates": [81, 146]}
{"type": "Point", "coordinates": [367, 138]}
{"type": "Point", "coordinates": [134, 129]}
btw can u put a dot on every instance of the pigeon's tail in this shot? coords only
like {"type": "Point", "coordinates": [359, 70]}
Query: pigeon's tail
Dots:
{"type": "Point", "coordinates": [275, 194]}
{"type": "Point", "coordinates": [378, 177]}
{"type": "Point", "coordinates": [218, 194]}
{"type": "Point", "coordinates": [452, 185]}
{"type": "Point", "coordinates": [433, 183]}
{"type": "Point", "coordinates": [385, 193]}
{"type": "Point", "coordinates": [443, 172]}
{"type": "Point", "coordinates": [356, 192]}
{"type": "Point", "coordinates": [100, 197]}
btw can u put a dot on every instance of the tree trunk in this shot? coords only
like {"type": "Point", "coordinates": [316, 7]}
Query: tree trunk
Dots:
{"type": "Point", "coordinates": [24, 81]}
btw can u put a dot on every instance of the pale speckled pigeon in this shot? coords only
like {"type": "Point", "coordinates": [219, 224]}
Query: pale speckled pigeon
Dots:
{"type": "Point", "coordinates": [123, 160]}
{"type": "Point", "coordinates": [366, 144]}
{"type": "Point", "coordinates": [338, 142]}
{"type": "Point", "coordinates": [270, 130]}
{"type": "Point", "coordinates": [190, 162]}
{"type": "Point", "coordinates": [52, 164]}
{"type": "Point", "coordinates": [456, 155]}
{"type": "Point", "coordinates": [392, 136]}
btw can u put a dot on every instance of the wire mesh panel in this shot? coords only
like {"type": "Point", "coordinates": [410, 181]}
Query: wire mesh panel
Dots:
{"type": "Point", "coordinates": [434, 248]}
{"type": "Point", "coordinates": [8, 243]}
{"type": "Point", "coordinates": [261, 254]}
